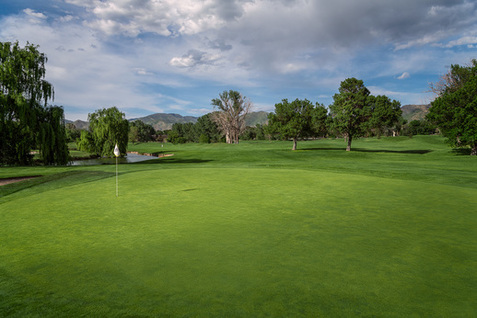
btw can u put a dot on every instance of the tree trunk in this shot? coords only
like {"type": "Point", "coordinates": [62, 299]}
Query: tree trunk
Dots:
{"type": "Point", "coordinates": [348, 148]}
{"type": "Point", "coordinates": [294, 144]}
{"type": "Point", "coordinates": [474, 150]}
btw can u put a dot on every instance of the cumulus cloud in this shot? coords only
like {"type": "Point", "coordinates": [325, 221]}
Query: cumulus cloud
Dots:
{"type": "Point", "coordinates": [120, 52]}
{"type": "Point", "coordinates": [194, 58]}
{"type": "Point", "coordinates": [34, 14]}
{"type": "Point", "coordinates": [466, 40]}
{"type": "Point", "coordinates": [84, 71]}
{"type": "Point", "coordinates": [167, 17]}
{"type": "Point", "coordinates": [404, 76]}
{"type": "Point", "coordinates": [272, 35]}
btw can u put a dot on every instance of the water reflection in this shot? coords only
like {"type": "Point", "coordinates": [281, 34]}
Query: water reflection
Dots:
{"type": "Point", "coordinates": [130, 158]}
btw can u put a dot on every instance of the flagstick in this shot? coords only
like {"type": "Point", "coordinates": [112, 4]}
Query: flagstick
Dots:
{"type": "Point", "coordinates": [117, 188]}
{"type": "Point", "coordinates": [117, 153]}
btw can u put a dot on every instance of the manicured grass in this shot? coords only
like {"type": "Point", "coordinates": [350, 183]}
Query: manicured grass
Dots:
{"type": "Point", "coordinates": [247, 230]}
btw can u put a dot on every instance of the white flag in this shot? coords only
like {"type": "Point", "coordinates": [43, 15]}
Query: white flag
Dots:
{"type": "Point", "coordinates": [116, 151]}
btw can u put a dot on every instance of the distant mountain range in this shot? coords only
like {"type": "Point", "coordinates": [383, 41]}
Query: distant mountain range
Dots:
{"type": "Point", "coordinates": [79, 124]}
{"type": "Point", "coordinates": [165, 121]}
{"type": "Point", "coordinates": [161, 121]}
{"type": "Point", "coordinates": [415, 112]}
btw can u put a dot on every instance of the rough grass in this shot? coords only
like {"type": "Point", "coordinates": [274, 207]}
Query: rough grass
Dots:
{"type": "Point", "coordinates": [247, 230]}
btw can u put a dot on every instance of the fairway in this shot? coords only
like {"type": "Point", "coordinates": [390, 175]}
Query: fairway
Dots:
{"type": "Point", "coordinates": [246, 230]}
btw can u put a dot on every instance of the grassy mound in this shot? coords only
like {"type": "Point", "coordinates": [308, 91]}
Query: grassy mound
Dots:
{"type": "Point", "coordinates": [247, 230]}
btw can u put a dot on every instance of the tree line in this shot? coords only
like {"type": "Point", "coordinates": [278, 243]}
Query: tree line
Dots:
{"type": "Point", "coordinates": [354, 113]}
{"type": "Point", "coordinates": [28, 122]}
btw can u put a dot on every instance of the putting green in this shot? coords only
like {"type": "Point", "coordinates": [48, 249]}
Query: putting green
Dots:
{"type": "Point", "coordinates": [239, 242]}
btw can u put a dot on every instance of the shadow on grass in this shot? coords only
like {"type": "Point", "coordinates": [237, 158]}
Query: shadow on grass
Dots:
{"type": "Point", "coordinates": [461, 151]}
{"type": "Point", "coordinates": [170, 160]}
{"type": "Point", "coordinates": [49, 182]}
{"type": "Point", "coordinates": [416, 152]}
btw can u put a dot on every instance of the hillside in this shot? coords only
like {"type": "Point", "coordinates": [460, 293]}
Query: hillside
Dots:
{"type": "Point", "coordinates": [414, 112]}
{"type": "Point", "coordinates": [255, 118]}
{"type": "Point", "coordinates": [162, 121]}
{"type": "Point", "coordinates": [79, 124]}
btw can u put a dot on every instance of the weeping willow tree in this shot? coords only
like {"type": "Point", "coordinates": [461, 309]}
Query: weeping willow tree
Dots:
{"type": "Point", "coordinates": [24, 115]}
{"type": "Point", "coordinates": [51, 138]}
{"type": "Point", "coordinates": [107, 127]}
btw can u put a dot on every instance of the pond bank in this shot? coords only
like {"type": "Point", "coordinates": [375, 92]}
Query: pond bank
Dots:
{"type": "Point", "coordinates": [131, 157]}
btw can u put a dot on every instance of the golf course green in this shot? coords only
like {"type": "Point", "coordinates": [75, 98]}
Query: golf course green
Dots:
{"type": "Point", "coordinates": [249, 230]}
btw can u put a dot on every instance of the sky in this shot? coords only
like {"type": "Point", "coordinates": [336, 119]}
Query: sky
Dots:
{"type": "Point", "coordinates": [175, 56]}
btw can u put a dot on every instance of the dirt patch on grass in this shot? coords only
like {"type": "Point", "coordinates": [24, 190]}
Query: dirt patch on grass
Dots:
{"type": "Point", "coordinates": [15, 179]}
{"type": "Point", "coordinates": [159, 155]}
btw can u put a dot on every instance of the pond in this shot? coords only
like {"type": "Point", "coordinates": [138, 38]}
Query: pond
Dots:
{"type": "Point", "coordinates": [130, 158]}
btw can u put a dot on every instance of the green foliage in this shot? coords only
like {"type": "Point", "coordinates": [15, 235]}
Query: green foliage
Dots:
{"type": "Point", "coordinates": [180, 133]}
{"type": "Point", "coordinates": [204, 139]}
{"type": "Point", "coordinates": [24, 114]}
{"type": "Point", "coordinates": [248, 134]}
{"type": "Point", "coordinates": [72, 133]}
{"type": "Point", "coordinates": [206, 126]}
{"type": "Point", "coordinates": [385, 114]}
{"type": "Point", "coordinates": [293, 120]}
{"type": "Point", "coordinates": [141, 132]}
{"type": "Point", "coordinates": [455, 110]}
{"type": "Point", "coordinates": [108, 127]}
{"type": "Point", "coordinates": [52, 138]}
{"type": "Point", "coordinates": [319, 121]}
{"type": "Point", "coordinates": [420, 127]}
{"type": "Point", "coordinates": [189, 132]}
{"type": "Point", "coordinates": [357, 113]}
{"type": "Point", "coordinates": [253, 133]}
{"type": "Point", "coordinates": [350, 109]}
{"type": "Point", "coordinates": [176, 135]}
{"type": "Point", "coordinates": [85, 142]}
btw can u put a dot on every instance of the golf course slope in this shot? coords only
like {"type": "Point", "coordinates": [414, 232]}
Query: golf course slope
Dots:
{"type": "Point", "coordinates": [247, 230]}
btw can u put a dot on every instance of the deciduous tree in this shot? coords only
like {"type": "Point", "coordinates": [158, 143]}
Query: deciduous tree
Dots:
{"type": "Point", "coordinates": [292, 120]}
{"type": "Point", "coordinates": [232, 108]}
{"type": "Point", "coordinates": [350, 109]}
{"type": "Point", "coordinates": [207, 129]}
{"type": "Point", "coordinates": [454, 79]}
{"type": "Point", "coordinates": [107, 127]}
{"type": "Point", "coordinates": [454, 111]}
{"type": "Point", "coordinates": [25, 119]}
{"type": "Point", "coordinates": [385, 114]}
{"type": "Point", "coordinates": [141, 132]}
{"type": "Point", "coordinates": [319, 121]}
{"type": "Point", "coordinates": [51, 136]}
